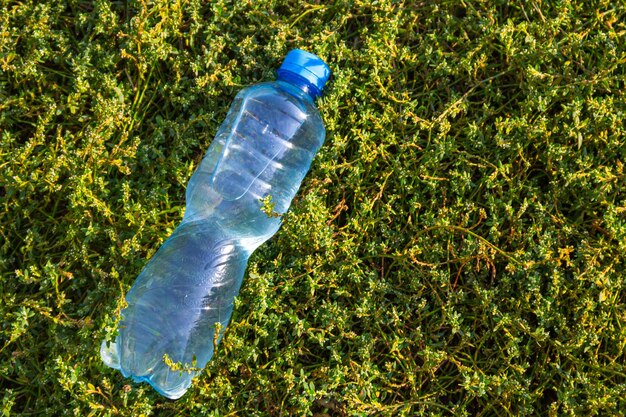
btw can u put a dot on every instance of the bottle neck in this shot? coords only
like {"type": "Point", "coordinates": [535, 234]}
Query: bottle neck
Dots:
{"type": "Point", "coordinates": [300, 82]}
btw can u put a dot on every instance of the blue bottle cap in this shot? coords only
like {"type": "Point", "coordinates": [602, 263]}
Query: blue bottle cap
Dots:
{"type": "Point", "coordinates": [305, 69]}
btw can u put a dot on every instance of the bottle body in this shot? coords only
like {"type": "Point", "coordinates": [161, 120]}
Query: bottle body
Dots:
{"type": "Point", "coordinates": [264, 148]}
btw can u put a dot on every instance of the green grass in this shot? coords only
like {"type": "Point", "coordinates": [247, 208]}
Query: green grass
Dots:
{"type": "Point", "coordinates": [457, 249]}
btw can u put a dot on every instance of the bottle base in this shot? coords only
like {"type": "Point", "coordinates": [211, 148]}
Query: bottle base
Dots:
{"type": "Point", "coordinates": [176, 382]}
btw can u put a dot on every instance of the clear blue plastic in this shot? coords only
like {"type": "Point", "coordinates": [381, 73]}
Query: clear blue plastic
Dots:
{"type": "Point", "coordinates": [264, 148]}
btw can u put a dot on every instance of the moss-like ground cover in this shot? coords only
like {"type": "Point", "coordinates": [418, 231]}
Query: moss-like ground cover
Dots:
{"type": "Point", "coordinates": [458, 247]}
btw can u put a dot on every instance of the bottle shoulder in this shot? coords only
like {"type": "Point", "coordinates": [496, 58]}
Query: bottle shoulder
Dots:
{"type": "Point", "coordinates": [280, 95]}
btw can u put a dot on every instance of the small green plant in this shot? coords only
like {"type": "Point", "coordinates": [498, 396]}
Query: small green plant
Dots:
{"type": "Point", "coordinates": [179, 366]}
{"type": "Point", "coordinates": [268, 207]}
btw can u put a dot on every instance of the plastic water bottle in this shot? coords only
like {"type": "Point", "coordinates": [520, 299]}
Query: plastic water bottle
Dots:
{"type": "Point", "coordinates": [264, 148]}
